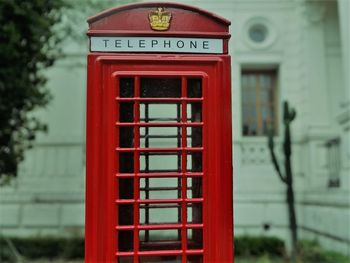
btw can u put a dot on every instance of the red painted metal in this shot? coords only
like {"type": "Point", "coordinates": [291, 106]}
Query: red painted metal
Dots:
{"type": "Point", "coordinates": [132, 20]}
{"type": "Point", "coordinates": [103, 150]}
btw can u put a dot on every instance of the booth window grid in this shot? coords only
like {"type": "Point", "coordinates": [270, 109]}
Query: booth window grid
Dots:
{"type": "Point", "coordinates": [159, 213]}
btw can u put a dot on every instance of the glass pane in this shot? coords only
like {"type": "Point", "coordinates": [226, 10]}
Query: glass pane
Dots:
{"type": "Point", "coordinates": [160, 137]}
{"type": "Point", "coordinates": [194, 112]}
{"type": "Point", "coordinates": [126, 112]}
{"type": "Point", "coordinates": [125, 241]}
{"type": "Point", "coordinates": [125, 214]}
{"type": "Point", "coordinates": [160, 213]}
{"type": "Point", "coordinates": [160, 88]}
{"type": "Point", "coordinates": [195, 238]}
{"type": "Point", "coordinates": [160, 188]}
{"type": "Point", "coordinates": [262, 82]}
{"type": "Point", "coordinates": [194, 213]}
{"type": "Point", "coordinates": [194, 162]}
{"type": "Point", "coordinates": [253, 129]}
{"type": "Point", "coordinates": [126, 137]}
{"type": "Point", "coordinates": [126, 162]}
{"type": "Point", "coordinates": [264, 113]}
{"type": "Point", "coordinates": [126, 188]}
{"type": "Point", "coordinates": [194, 187]}
{"type": "Point", "coordinates": [160, 239]}
{"type": "Point", "coordinates": [258, 33]}
{"type": "Point", "coordinates": [263, 97]}
{"type": "Point", "coordinates": [126, 87]}
{"type": "Point", "coordinates": [265, 126]}
{"type": "Point", "coordinates": [258, 102]}
{"type": "Point", "coordinates": [251, 82]}
{"type": "Point", "coordinates": [160, 112]}
{"type": "Point", "coordinates": [194, 88]}
{"type": "Point", "coordinates": [194, 137]}
{"type": "Point", "coordinates": [160, 162]}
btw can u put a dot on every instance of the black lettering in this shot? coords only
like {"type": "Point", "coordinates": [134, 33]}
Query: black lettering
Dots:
{"type": "Point", "coordinates": [205, 45]}
{"type": "Point", "coordinates": [180, 44]}
{"type": "Point", "coordinates": [130, 46]}
{"type": "Point", "coordinates": [105, 40]}
{"type": "Point", "coordinates": [118, 43]}
{"type": "Point", "coordinates": [142, 43]}
{"type": "Point", "coordinates": [154, 42]}
{"type": "Point", "coordinates": [167, 43]}
{"type": "Point", "coordinates": [193, 44]}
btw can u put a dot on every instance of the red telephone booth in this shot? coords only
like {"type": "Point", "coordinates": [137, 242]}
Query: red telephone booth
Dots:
{"type": "Point", "coordinates": [159, 149]}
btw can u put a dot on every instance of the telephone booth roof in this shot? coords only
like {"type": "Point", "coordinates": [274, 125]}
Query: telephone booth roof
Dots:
{"type": "Point", "coordinates": [133, 20]}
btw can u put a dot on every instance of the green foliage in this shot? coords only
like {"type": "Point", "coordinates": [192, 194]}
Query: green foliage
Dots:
{"type": "Point", "coordinates": [43, 247]}
{"type": "Point", "coordinates": [263, 259]}
{"type": "Point", "coordinates": [80, 10]}
{"type": "Point", "coordinates": [28, 45]}
{"type": "Point", "coordinates": [311, 251]}
{"type": "Point", "coordinates": [258, 246]}
{"type": "Point", "coordinates": [247, 250]}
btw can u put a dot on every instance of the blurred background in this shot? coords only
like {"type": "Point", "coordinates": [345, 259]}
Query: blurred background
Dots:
{"type": "Point", "coordinates": [282, 50]}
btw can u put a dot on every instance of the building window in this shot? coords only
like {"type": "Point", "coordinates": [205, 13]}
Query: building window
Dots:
{"type": "Point", "coordinates": [258, 33]}
{"type": "Point", "coordinates": [259, 102]}
{"type": "Point", "coordinates": [333, 162]}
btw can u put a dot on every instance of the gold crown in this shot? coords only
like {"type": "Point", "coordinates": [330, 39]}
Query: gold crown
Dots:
{"type": "Point", "coordinates": [160, 19]}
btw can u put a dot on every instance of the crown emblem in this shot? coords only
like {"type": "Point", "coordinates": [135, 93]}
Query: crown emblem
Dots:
{"type": "Point", "coordinates": [160, 19]}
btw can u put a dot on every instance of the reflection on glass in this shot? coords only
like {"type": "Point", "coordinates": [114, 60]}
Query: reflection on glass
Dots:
{"type": "Point", "coordinates": [159, 239]}
{"type": "Point", "coordinates": [194, 213]}
{"type": "Point", "coordinates": [194, 186]}
{"type": "Point", "coordinates": [126, 188]}
{"type": "Point", "coordinates": [156, 213]}
{"type": "Point", "coordinates": [126, 137]}
{"type": "Point", "coordinates": [160, 88]}
{"type": "Point", "coordinates": [160, 188]}
{"type": "Point", "coordinates": [194, 162]}
{"type": "Point", "coordinates": [194, 88]}
{"type": "Point", "coordinates": [195, 238]}
{"type": "Point", "coordinates": [160, 112]}
{"type": "Point", "coordinates": [160, 137]}
{"type": "Point", "coordinates": [126, 112]}
{"type": "Point", "coordinates": [125, 214]}
{"type": "Point", "coordinates": [194, 136]}
{"type": "Point", "coordinates": [126, 162]}
{"type": "Point", "coordinates": [194, 112]}
{"type": "Point", "coordinates": [125, 241]}
{"type": "Point", "coordinates": [258, 102]}
{"type": "Point", "coordinates": [126, 87]}
{"type": "Point", "coordinates": [160, 162]}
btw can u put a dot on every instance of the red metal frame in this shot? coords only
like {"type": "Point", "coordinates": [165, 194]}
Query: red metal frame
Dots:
{"type": "Point", "coordinates": [132, 20]}
{"type": "Point", "coordinates": [103, 149]}
{"type": "Point", "coordinates": [101, 163]}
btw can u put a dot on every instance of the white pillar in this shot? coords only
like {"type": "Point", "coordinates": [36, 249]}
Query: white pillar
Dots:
{"type": "Point", "coordinates": [344, 22]}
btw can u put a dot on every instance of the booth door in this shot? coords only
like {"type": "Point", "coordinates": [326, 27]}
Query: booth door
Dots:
{"type": "Point", "coordinates": [160, 186]}
{"type": "Point", "coordinates": [159, 167]}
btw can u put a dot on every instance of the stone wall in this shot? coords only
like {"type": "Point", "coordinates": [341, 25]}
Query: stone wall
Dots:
{"type": "Point", "coordinates": [305, 47]}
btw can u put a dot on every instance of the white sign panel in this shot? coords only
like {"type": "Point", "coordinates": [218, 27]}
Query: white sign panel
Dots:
{"type": "Point", "coordinates": [156, 44]}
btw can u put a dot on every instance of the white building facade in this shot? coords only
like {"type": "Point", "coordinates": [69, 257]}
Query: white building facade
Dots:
{"type": "Point", "coordinates": [282, 50]}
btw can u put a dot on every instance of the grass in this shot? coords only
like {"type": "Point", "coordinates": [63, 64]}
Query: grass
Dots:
{"type": "Point", "coordinates": [264, 259]}
{"type": "Point", "coordinates": [247, 250]}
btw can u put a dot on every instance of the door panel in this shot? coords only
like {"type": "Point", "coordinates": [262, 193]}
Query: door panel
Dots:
{"type": "Point", "coordinates": [160, 173]}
